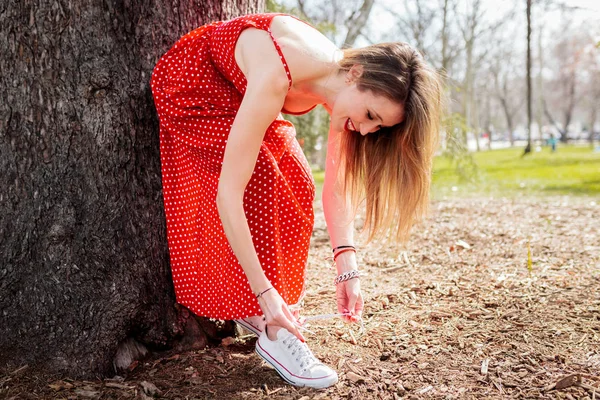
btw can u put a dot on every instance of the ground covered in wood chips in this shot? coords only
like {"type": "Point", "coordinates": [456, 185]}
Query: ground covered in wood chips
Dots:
{"type": "Point", "coordinates": [491, 299]}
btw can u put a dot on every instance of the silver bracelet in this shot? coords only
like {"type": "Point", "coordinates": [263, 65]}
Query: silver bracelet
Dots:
{"type": "Point", "coordinates": [346, 276]}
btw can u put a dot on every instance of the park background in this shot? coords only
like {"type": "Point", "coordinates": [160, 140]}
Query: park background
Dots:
{"type": "Point", "coordinates": [496, 295]}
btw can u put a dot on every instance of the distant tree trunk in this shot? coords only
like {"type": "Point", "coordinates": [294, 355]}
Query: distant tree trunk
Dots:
{"type": "Point", "coordinates": [571, 100]}
{"type": "Point", "coordinates": [445, 38]}
{"type": "Point", "coordinates": [528, 148]}
{"type": "Point", "coordinates": [539, 111]}
{"type": "Point", "coordinates": [83, 251]}
{"type": "Point", "coordinates": [356, 22]}
{"type": "Point", "coordinates": [509, 120]}
{"type": "Point", "coordinates": [487, 122]}
{"type": "Point", "coordinates": [593, 118]}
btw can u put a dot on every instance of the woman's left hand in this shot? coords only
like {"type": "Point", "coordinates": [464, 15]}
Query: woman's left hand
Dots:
{"type": "Point", "coordinates": [349, 299]}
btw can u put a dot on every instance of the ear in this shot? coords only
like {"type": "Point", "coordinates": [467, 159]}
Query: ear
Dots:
{"type": "Point", "coordinates": [354, 73]}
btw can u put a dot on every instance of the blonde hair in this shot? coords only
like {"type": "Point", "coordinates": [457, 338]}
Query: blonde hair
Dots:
{"type": "Point", "coordinates": [391, 168]}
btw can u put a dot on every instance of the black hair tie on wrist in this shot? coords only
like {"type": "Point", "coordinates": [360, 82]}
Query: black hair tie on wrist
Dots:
{"type": "Point", "coordinates": [258, 296]}
{"type": "Point", "coordinates": [343, 247]}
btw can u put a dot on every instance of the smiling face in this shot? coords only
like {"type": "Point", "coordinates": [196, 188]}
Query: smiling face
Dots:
{"type": "Point", "coordinates": [363, 111]}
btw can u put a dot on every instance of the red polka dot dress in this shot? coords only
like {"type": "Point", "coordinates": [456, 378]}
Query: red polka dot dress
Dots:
{"type": "Point", "coordinates": [198, 88]}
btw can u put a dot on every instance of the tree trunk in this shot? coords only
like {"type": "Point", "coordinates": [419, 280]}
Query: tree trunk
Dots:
{"type": "Point", "coordinates": [83, 251]}
{"type": "Point", "coordinates": [539, 111]}
{"type": "Point", "coordinates": [571, 83]}
{"type": "Point", "coordinates": [356, 22]}
{"type": "Point", "coordinates": [528, 77]}
{"type": "Point", "coordinates": [509, 122]}
{"type": "Point", "coordinates": [593, 117]}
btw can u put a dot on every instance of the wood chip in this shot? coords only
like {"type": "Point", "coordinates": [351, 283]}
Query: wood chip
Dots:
{"type": "Point", "coordinates": [484, 366]}
{"type": "Point", "coordinates": [463, 244]}
{"type": "Point", "coordinates": [424, 390]}
{"type": "Point", "coordinates": [352, 338]}
{"type": "Point", "coordinates": [564, 382]}
{"type": "Point", "coordinates": [355, 378]}
{"type": "Point", "coordinates": [118, 386]}
{"type": "Point", "coordinates": [16, 371]}
{"type": "Point", "coordinates": [393, 269]}
{"type": "Point", "coordinates": [60, 385]}
{"type": "Point", "coordinates": [93, 394]}
{"type": "Point", "coordinates": [149, 388]}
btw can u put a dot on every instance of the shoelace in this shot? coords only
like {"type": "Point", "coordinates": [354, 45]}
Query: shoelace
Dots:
{"type": "Point", "coordinates": [305, 357]}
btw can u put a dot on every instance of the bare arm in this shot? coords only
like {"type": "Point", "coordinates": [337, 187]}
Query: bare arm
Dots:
{"type": "Point", "coordinates": [241, 153]}
{"type": "Point", "coordinates": [262, 102]}
{"type": "Point", "coordinates": [266, 89]}
{"type": "Point", "coordinates": [339, 215]}
{"type": "Point", "coordinates": [338, 211]}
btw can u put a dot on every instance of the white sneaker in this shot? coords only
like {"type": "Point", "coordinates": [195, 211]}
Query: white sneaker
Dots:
{"type": "Point", "coordinates": [255, 325]}
{"type": "Point", "coordinates": [294, 361]}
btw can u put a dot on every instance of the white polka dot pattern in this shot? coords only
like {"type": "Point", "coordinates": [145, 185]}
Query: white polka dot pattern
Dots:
{"type": "Point", "coordinates": [198, 88]}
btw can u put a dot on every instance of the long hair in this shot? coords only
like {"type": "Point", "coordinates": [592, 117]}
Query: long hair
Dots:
{"type": "Point", "coordinates": [391, 168]}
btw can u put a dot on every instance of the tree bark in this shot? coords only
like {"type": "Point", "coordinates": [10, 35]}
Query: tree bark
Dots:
{"type": "Point", "coordinates": [83, 251]}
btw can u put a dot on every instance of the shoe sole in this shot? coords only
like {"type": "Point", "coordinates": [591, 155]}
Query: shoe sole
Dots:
{"type": "Point", "coordinates": [248, 327]}
{"type": "Point", "coordinates": [284, 373]}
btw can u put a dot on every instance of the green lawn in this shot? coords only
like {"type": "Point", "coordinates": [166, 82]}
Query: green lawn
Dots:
{"type": "Point", "coordinates": [571, 170]}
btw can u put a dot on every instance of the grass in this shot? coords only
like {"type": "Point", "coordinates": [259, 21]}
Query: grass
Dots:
{"type": "Point", "coordinates": [570, 170]}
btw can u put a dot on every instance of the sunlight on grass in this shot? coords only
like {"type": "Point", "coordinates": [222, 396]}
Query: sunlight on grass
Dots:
{"type": "Point", "coordinates": [571, 170]}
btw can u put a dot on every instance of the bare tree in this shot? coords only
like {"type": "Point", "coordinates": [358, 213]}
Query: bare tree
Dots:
{"type": "Point", "coordinates": [567, 55]}
{"type": "Point", "coordinates": [591, 91]}
{"type": "Point", "coordinates": [330, 16]}
{"type": "Point", "coordinates": [83, 250]}
{"type": "Point", "coordinates": [356, 22]}
{"type": "Point", "coordinates": [448, 51]}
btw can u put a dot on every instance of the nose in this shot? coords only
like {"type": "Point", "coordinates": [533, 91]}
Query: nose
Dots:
{"type": "Point", "coordinates": [366, 128]}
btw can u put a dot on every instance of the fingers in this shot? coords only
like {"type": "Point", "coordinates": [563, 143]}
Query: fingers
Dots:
{"type": "Point", "coordinates": [349, 300]}
{"type": "Point", "coordinates": [277, 313]}
{"type": "Point", "coordinates": [360, 305]}
{"type": "Point", "coordinates": [292, 322]}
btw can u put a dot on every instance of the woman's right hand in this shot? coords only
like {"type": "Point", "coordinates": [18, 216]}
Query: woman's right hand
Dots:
{"type": "Point", "coordinates": [277, 313]}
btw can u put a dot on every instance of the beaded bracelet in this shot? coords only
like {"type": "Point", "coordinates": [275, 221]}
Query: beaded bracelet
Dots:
{"type": "Point", "coordinates": [346, 276]}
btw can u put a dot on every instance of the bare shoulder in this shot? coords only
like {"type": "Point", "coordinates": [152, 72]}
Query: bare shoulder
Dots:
{"type": "Point", "coordinates": [255, 53]}
{"type": "Point", "coordinates": [306, 50]}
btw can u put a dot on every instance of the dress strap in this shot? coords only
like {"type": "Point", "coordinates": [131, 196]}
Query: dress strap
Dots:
{"type": "Point", "coordinates": [287, 69]}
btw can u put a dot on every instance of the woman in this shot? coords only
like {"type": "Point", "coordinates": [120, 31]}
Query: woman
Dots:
{"type": "Point", "coordinates": [238, 191]}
